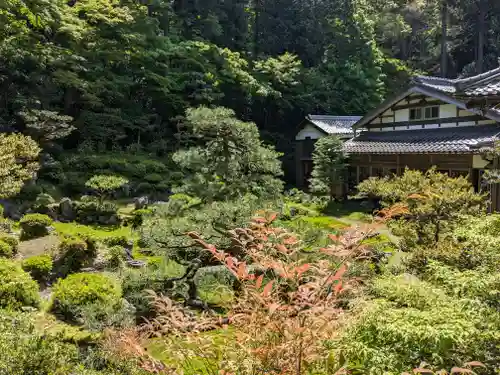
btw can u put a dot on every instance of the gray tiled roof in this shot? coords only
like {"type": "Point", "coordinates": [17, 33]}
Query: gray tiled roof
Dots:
{"type": "Point", "coordinates": [334, 124]}
{"type": "Point", "coordinates": [442, 140]}
{"type": "Point", "coordinates": [480, 85]}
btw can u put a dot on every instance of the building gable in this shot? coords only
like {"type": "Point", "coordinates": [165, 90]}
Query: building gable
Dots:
{"type": "Point", "coordinates": [420, 111]}
{"type": "Point", "coordinates": [309, 131]}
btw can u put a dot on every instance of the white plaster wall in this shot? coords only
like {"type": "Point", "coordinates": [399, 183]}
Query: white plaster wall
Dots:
{"type": "Point", "coordinates": [402, 115]}
{"type": "Point", "coordinates": [447, 110]}
{"type": "Point", "coordinates": [486, 122]}
{"type": "Point", "coordinates": [478, 162]}
{"type": "Point", "coordinates": [464, 113]}
{"type": "Point", "coordinates": [309, 131]}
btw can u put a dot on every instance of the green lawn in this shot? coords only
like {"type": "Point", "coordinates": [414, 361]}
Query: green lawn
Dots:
{"type": "Point", "coordinates": [97, 231]}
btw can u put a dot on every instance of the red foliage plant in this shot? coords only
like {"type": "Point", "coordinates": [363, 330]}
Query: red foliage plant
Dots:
{"type": "Point", "coordinates": [285, 308]}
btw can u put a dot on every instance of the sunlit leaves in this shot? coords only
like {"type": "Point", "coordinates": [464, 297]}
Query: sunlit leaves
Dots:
{"type": "Point", "coordinates": [18, 162]}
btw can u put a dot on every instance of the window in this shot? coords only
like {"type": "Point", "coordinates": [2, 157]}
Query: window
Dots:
{"type": "Point", "coordinates": [424, 113]}
{"type": "Point", "coordinates": [415, 114]}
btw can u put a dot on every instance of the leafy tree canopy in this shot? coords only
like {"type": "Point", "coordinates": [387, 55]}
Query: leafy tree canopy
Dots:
{"type": "Point", "coordinates": [18, 162]}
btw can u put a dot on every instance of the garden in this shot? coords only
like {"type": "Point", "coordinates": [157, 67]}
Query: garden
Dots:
{"type": "Point", "coordinates": [223, 273]}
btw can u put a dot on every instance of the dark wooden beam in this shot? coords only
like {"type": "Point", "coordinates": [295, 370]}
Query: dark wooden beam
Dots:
{"type": "Point", "coordinates": [446, 120]}
{"type": "Point", "coordinates": [422, 103]}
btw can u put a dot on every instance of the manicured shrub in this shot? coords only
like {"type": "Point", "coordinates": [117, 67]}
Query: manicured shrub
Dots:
{"type": "Point", "coordinates": [34, 226]}
{"type": "Point", "coordinates": [29, 192]}
{"type": "Point", "coordinates": [153, 277]}
{"type": "Point", "coordinates": [81, 290]}
{"type": "Point", "coordinates": [74, 254]}
{"type": "Point", "coordinates": [122, 241]}
{"type": "Point", "coordinates": [39, 267]}
{"type": "Point", "coordinates": [5, 250]}
{"type": "Point", "coordinates": [17, 288]}
{"type": "Point", "coordinates": [138, 217]}
{"type": "Point", "coordinates": [153, 178]}
{"type": "Point", "coordinates": [115, 257]}
{"type": "Point", "coordinates": [12, 241]}
{"type": "Point", "coordinates": [144, 188]}
{"type": "Point", "coordinates": [90, 211]}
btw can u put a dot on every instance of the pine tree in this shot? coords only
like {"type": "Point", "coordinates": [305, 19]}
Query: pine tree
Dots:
{"type": "Point", "coordinates": [227, 159]}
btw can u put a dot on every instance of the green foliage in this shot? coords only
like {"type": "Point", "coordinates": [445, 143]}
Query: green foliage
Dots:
{"type": "Point", "coordinates": [153, 277]}
{"type": "Point", "coordinates": [11, 240]}
{"type": "Point", "coordinates": [228, 159]}
{"type": "Point", "coordinates": [138, 217]}
{"type": "Point", "coordinates": [329, 166]}
{"type": "Point", "coordinates": [115, 257]}
{"type": "Point", "coordinates": [477, 242]}
{"type": "Point", "coordinates": [413, 321]}
{"type": "Point", "coordinates": [17, 288]}
{"type": "Point", "coordinates": [431, 203]}
{"type": "Point", "coordinates": [474, 284]}
{"type": "Point", "coordinates": [77, 168]}
{"type": "Point", "coordinates": [25, 351]}
{"type": "Point", "coordinates": [74, 254]}
{"type": "Point", "coordinates": [1, 211]}
{"type": "Point", "coordinates": [34, 226]}
{"type": "Point", "coordinates": [104, 185]}
{"type": "Point", "coordinates": [39, 267]}
{"type": "Point", "coordinates": [82, 290]}
{"type": "Point", "coordinates": [19, 162]}
{"type": "Point", "coordinates": [117, 240]}
{"type": "Point", "coordinates": [93, 211]}
{"type": "Point", "coordinates": [6, 250]}
{"type": "Point", "coordinates": [165, 232]}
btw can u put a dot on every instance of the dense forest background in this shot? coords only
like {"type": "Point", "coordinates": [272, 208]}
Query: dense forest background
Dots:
{"type": "Point", "coordinates": [122, 73]}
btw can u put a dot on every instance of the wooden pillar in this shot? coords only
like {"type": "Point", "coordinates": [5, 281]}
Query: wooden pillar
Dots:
{"type": "Point", "coordinates": [398, 166]}
{"type": "Point", "coordinates": [357, 175]}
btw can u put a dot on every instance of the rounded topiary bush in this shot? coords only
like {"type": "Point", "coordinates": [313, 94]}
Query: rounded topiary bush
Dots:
{"type": "Point", "coordinates": [12, 241]}
{"type": "Point", "coordinates": [138, 217]}
{"type": "Point", "coordinates": [122, 241]}
{"type": "Point", "coordinates": [5, 250]}
{"type": "Point", "coordinates": [82, 290]}
{"type": "Point", "coordinates": [34, 226]}
{"type": "Point", "coordinates": [17, 288]}
{"type": "Point", "coordinates": [39, 267]}
{"type": "Point", "coordinates": [75, 253]}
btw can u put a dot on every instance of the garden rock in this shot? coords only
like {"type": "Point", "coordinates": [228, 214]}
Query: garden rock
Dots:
{"type": "Point", "coordinates": [136, 263]}
{"type": "Point", "coordinates": [66, 209]}
{"type": "Point", "coordinates": [141, 202]}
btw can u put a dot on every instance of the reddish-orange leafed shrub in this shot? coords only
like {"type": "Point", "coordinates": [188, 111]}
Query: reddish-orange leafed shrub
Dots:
{"type": "Point", "coordinates": [285, 308]}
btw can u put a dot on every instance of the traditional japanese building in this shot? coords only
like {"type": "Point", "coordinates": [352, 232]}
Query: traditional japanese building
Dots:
{"type": "Point", "coordinates": [436, 122]}
{"type": "Point", "coordinates": [310, 130]}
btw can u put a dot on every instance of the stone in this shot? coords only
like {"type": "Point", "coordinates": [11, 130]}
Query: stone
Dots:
{"type": "Point", "coordinates": [141, 202]}
{"type": "Point", "coordinates": [66, 209]}
{"type": "Point", "coordinates": [113, 220]}
{"type": "Point", "coordinates": [136, 263]}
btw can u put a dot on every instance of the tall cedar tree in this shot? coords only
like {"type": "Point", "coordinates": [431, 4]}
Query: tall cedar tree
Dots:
{"type": "Point", "coordinates": [329, 166]}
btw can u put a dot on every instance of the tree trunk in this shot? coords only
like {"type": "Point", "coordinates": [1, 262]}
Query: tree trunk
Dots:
{"type": "Point", "coordinates": [258, 7]}
{"type": "Point", "coordinates": [481, 31]}
{"type": "Point", "coordinates": [444, 38]}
